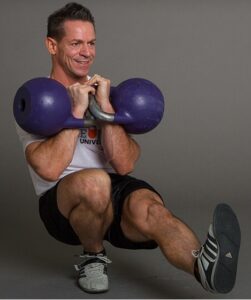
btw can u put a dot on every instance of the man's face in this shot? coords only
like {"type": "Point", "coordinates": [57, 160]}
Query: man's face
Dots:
{"type": "Point", "coordinates": [76, 50]}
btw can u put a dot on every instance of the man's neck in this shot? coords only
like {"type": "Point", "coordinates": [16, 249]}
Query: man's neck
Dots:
{"type": "Point", "coordinates": [66, 80]}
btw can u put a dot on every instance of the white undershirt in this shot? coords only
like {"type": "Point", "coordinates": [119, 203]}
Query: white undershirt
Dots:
{"type": "Point", "coordinates": [88, 154]}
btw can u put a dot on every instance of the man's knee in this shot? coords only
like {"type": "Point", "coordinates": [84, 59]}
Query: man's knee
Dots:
{"type": "Point", "coordinates": [144, 211]}
{"type": "Point", "coordinates": [93, 189]}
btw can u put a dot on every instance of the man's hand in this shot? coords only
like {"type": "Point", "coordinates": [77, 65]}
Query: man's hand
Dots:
{"type": "Point", "coordinates": [79, 94]}
{"type": "Point", "coordinates": [102, 93]}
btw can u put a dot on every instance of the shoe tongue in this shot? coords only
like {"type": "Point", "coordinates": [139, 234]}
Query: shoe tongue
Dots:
{"type": "Point", "coordinates": [103, 252]}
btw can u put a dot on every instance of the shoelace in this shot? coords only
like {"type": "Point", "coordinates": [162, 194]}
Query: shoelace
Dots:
{"type": "Point", "coordinates": [94, 268]}
{"type": "Point", "coordinates": [196, 253]}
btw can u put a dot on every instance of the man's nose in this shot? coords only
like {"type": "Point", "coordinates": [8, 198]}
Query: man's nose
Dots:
{"type": "Point", "coordinates": [85, 51]}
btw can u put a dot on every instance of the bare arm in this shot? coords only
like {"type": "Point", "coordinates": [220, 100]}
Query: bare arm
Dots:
{"type": "Point", "coordinates": [120, 149]}
{"type": "Point", "coordinates": [49, 158]}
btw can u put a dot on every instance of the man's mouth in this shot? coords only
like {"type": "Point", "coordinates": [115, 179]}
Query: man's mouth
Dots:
{"type": "Point", "coordinates": [82, 62]}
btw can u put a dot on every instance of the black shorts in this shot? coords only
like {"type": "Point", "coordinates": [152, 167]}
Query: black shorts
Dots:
{"type": "Point", "coordinates": [59, 227]}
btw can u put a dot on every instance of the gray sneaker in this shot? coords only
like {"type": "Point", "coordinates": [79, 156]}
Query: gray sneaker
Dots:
{"type": "Point", "coordinates": [92, 273]}
{"type": "Point", "coordinates": [218, 258]}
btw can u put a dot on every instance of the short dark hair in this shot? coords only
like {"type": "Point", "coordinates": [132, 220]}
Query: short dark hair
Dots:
{"type": "Point", "coordinates": [71, 11]}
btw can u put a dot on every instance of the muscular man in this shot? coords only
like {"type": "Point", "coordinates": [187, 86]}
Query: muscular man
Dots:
{"type": "Point", "coordinates": [86, 194]}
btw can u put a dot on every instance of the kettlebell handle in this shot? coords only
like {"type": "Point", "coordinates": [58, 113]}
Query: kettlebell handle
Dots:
{"type": "Point", "coordinates": [104, 116]}
{"type": "Point", "coordinates": [97, 112]}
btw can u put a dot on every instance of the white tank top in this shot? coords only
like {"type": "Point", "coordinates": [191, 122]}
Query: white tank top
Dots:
{"type": "Point", "coordinates": [88, 154]}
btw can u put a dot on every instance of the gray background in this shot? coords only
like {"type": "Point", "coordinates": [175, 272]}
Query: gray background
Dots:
{"type": "Point", "coordinates": [198, 53]}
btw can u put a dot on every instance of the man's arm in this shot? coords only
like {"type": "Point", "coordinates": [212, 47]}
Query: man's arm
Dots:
{"type": "Point", "coordinates": [120, 149]}
{"type": "Point", "coordinates": [50, 157]}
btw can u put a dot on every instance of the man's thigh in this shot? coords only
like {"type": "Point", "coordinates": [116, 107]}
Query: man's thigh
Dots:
{"type": "Point", "coordinates": [122, 188]}
{"type": "Point", "coordinates": [80, 185]}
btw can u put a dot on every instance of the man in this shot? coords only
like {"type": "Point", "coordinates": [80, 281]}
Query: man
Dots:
{"type": "Point", "coordinates": [86, 194]}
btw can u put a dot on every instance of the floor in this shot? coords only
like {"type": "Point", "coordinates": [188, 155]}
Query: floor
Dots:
{"type": "Point", "coordinates": [34, 265]}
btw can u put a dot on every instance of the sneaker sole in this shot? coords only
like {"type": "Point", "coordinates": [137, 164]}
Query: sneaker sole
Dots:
{"type": "Point", "coordinates": [228, 235]}
{"type": "Point", "coordinates": [93, 291]}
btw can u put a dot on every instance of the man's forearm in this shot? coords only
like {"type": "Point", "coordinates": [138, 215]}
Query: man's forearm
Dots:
{"type": "Point", "coordinates": [49, 158]}
{"type": "Point", "coordinates": [120, 149]}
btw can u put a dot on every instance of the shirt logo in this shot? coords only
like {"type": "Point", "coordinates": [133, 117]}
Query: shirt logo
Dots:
{"type": "Point", "coordinates": [90, 136]}
{"type": "Point", "coordinates": [229, 255]}
{"type": "Point", "coordinates": [92, 133]}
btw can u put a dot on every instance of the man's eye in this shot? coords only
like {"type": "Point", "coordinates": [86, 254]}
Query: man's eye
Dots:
{"type": "Point", "coordinates": [75, 44]}
{"type": "Point", "coordinates": [92, 44]}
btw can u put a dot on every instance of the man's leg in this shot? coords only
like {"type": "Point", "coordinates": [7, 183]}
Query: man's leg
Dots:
{"type": "Point", "coordinates": [214, 264]}
{"type": "Point", "coordinates": [145, 218]}
{"type": "Point", "coordinates": [84, 198]}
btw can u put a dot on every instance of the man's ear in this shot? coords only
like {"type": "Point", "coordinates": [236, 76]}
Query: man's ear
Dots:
{"type": "Point", "coordinates": [51, 45]}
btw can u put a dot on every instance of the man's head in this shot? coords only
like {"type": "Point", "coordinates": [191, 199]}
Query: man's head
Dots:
{"type": "Point", "coordinates": [71, 11]}
{"type": "Point", "coordinates": [71, 42]}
